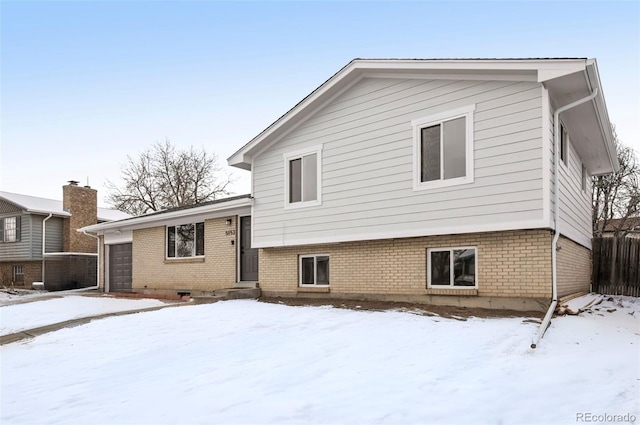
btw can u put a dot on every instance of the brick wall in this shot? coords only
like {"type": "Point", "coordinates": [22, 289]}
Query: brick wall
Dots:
{"type": "Point", "coordinates": [510, 264]}
{"type": "Point", "coordinates": [153, 273]}
{"type": "Point", "coordinates": [82, 203]}
{"type": "Point", "coordinates": [574, 268]}
{"type": "Point", "coordinates": [32, 273]}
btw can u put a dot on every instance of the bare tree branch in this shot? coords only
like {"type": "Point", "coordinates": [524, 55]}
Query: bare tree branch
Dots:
{"type": "Point", "coordinates": [163, 177]}
{"type": "Point", "coordinates": [616, 197]}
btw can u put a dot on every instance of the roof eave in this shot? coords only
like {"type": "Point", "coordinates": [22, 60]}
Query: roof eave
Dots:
{"type": "Point", "coordinates": [593, 77]}
{"type": "Point", "coordinates": [141, 220]}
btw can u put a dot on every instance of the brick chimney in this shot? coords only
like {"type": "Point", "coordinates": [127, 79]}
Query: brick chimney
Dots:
{"type": "Point", "coordinates": [82, 203]}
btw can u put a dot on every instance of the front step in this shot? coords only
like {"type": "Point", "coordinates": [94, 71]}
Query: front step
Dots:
{"type": "Point", "coordinates": [227, 294]}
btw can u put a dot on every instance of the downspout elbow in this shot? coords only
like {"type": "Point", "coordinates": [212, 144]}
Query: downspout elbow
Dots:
{"type": "Point", "coordinates": [556, 214]}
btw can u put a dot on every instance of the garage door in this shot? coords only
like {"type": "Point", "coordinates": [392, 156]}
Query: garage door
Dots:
{"type": "Point", "coordinates": [120, 268]}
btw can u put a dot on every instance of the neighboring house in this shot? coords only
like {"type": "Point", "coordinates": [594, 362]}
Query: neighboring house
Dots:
{"type": "Point", "coordinates": [187, 250]}
{"type": "Point", "coordinates": [630, 227]}
{"type": "Point", "coordinates": [68, 259]}
{"type": "Point", "coordinates": [428, 181]}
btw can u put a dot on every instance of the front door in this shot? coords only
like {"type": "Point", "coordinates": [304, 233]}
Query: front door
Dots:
{"type": "Point", "coordinates": [248, 255]}
{"type": "Point", "coordinates": [120, 268]}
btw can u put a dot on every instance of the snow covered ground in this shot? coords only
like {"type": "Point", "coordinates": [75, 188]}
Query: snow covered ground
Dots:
{"type": "Point", "coordinates": [250, 362]}
{"type": "Point", "coordinates": [20, 317]}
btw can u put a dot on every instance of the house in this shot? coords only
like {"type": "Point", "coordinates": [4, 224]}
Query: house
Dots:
{"type": "Point", "coordinates": [430, 181]}
{"type": "Point", "coordinates": [629, 227]}
{"type": "Point", "coordinates": [433, 181]}
{"type": "Point", "coordinates": [191, 250]}
{"type": "Point", "coordinates": [68, 259]}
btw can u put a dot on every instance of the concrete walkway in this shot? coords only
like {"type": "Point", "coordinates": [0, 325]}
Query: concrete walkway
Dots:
{"type": "Point", "coordinates": [32, 333]}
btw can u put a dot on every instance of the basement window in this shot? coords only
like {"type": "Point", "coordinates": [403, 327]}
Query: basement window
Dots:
{"type": "Point", "coordinates": [452, 268]}
{"type": "Point", "coordinates": [314, 270]}
{"type": "Point", "coordinates": [18, 275]}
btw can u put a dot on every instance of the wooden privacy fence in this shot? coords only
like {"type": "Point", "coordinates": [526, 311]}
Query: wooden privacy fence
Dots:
{"type": "Point", "coordinates": [615, 266]}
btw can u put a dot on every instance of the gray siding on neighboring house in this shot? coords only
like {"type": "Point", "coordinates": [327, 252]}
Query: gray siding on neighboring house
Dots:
{"type": "Point", "coordinates": [20, 250]}
{"type": "Point", "coordinates": [30, 245]}
{"type": "Point", "coordinates": [7, 207]}
{"type": "Point", "coordinates": [53, 234]}
{"type": "Point", "coordinates": [367, 163]}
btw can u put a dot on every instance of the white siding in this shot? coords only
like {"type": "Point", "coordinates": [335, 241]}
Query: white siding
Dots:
{"type": "Point", "coordinates": [575, 204]}
{"type": "Point", "coordinates": [367, 174]}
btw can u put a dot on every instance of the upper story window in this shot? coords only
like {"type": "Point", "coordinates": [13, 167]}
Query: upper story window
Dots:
{"type": "Point", "coordinates": [303, 174]}
{"type": "Point", "coordinates": [10, 229]}
{"type": "Point", "coordinates": [443, 149]}
{"type": "Point", "coordinates": [186, 240]}
{"type": "Point", "coordinates": [564, 144]}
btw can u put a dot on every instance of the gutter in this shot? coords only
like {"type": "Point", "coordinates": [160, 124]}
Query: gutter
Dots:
{"type": "Point", "coordinates": [44, 241]}
{"type": "Point", "coordinates": [556, 212]}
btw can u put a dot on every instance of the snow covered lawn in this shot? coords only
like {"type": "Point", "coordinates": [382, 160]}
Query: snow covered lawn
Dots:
{"type": "Point", "coordinates": [20, 317]}
{"type": "Point", "coordinates": [250, 362]}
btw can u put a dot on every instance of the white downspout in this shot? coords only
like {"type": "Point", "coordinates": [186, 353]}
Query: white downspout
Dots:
{"type": "Point", "coordinates": [556, 214]}
{"type": "Point", "coordinates": [98, 269]}
{"type": "Point", "coordinates": [44, 241]}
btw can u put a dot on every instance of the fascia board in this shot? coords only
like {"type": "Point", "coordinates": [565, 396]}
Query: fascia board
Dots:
{"type": "Point", "coordinates": [593, 78]}
{"type": "Point", "coordinates": [239, 159]}
{"type": "Point", "coordinates": [147, 221]}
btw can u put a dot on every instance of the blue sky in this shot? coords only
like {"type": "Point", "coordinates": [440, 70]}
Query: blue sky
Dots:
{"type": "Point", "coordinates": [84, 84]}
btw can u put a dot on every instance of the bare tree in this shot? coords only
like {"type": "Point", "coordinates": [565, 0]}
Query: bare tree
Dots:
{"type": "Point", "coordinates": [616, 197]}
{"type": "Point", "coordinates": [163, 177]}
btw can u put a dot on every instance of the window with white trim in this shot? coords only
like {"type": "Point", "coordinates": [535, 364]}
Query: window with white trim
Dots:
{"type": "Point", "coordinates": [314, 270]}
{"type": "Point", "coordinates": [452, 267]}
{"type": "Point", "coordinates": [443, 149]}
{"type": "Point", "coordinates": [564, 144]}
{"type": "Point", "coordinates": [10, 229]}
{"type": "Point", "coordinates": [185, 240]}
{"type": "Point", "coordinates": [303, 178]}
{"type": "Point", "coordinates": [18, 274]}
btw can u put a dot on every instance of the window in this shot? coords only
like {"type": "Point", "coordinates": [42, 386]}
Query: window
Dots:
{"type": "Point", "coordinates": [452, 268]}
{"type": "Point", "coordinates": [18, 274]}
{"type": "Point", "coordinates": [443, 149]}
{"type": "Point", "coordinates": [10, 229]}
{"type": "Point", "coordinates": [314, 270]}
{"type": "Point", "coordinates": [585, 176]}
{"type": "Point", "coordinates": [564, 143]}
{"type": "Point", "coordinates": [186, 240]}
{"type": "Point", "coordinates": [303, 176]}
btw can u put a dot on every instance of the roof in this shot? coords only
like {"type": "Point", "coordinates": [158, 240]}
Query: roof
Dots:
{"type": "Point", "coordinates": [631, 225]}
{"type": "Point", "coordinates": [223, 206]}
{"type": "Point", "coordinates": [598, 150]}
{"type": "Point", "coordinates": [34, 204]}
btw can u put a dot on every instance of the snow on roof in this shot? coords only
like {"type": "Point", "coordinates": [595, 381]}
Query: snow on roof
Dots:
{"type": "Point", "coordinates": [35, 204]}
